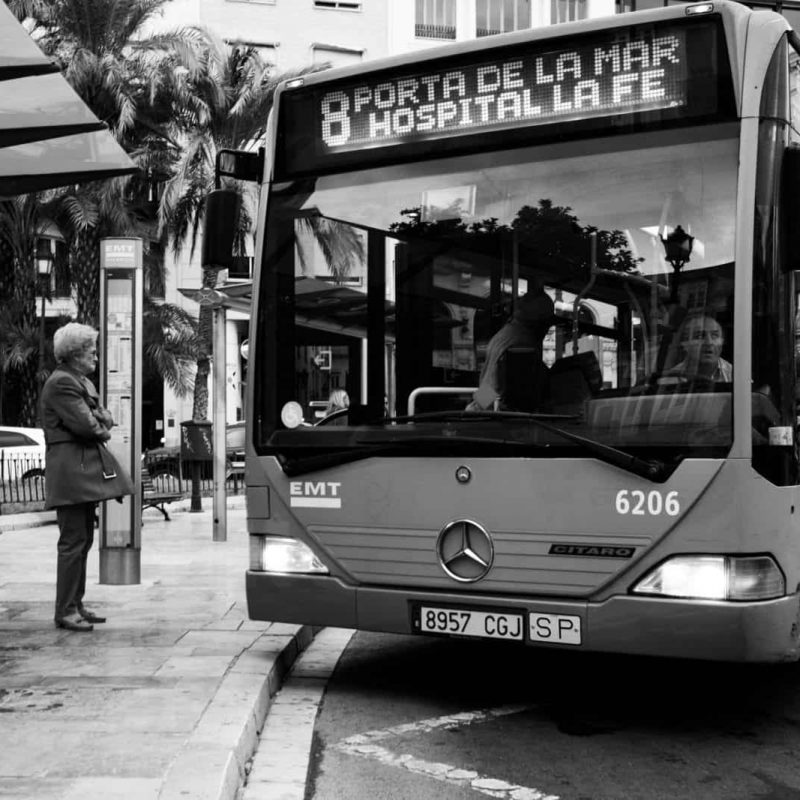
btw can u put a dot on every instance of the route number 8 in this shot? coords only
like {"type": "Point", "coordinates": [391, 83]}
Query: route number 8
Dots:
{"type": "Point", "coordinates": [654, 503]}
{"type": "Point", "coordinates": [335, 118]}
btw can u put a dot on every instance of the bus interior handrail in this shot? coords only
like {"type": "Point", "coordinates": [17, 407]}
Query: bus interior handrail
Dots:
{"type": "Point", "coordinates": [436, 390]}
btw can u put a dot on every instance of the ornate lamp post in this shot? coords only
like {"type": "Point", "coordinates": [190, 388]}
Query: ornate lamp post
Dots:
{"type": "Point", "coordinates": [44, 265]}
{"type": "Point", "coordinates": [678, 248]}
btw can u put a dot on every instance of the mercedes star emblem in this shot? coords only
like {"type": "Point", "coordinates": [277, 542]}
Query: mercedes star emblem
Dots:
{"type": "Point", "coordinates": [465, 550]}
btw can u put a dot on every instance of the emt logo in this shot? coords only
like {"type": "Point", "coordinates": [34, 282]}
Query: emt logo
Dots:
{"type": "Point", "coordinates": [315, 494]}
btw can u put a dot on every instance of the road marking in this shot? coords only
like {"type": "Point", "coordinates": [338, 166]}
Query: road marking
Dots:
{"type": "Point", "coordinates": [365, 745]}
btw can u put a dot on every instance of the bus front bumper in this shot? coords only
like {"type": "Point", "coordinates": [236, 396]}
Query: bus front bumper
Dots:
{"type": "Point", "coordinates": [767, 631]}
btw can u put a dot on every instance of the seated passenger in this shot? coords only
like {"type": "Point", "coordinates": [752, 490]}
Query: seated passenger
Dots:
{"type": "Point", "coordinates": [533, 315]}
{"type": "Point", "coordinates": [700, 338]}
{"type": "Point", "coordinates": [338, 400]}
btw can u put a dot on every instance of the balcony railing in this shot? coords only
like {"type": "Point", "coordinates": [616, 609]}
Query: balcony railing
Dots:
{"type": "Point", "coordinates": [426, 31]}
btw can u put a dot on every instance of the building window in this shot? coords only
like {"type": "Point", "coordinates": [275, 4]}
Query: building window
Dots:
{"type": "Point", "coordinates": [500, 16]}
{"type": "Point", "coordinates": [623, 6]}
{"type": "Point", "coordinates": [335, 56]}
{"type": "Point", "coordinates": [267, 50]}
{"type": "Point", "coordinates": [338, 5]}
{"type": "Point", "coordinates": [567, 10]}
{"type": "Point", "coordinates": [435, 19]}
{"type": "Point", "coordinates": [241, 268]}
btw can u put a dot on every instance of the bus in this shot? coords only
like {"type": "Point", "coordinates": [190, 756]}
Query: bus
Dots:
{"type": "Point", "coordinates": [623, 477]}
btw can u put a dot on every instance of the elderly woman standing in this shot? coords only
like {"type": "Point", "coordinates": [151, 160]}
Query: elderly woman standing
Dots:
{"type": "Point", "coordinates": [79, 470]}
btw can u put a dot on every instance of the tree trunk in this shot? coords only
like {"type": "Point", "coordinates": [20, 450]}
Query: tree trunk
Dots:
{"type": "Point", "coordinates": [205, 332]}
{"type": "Point", "coordinates": [200, 401]}
{"type": "Point", "coordinates": [26, 286]}
{"type": "Point", "coordinates": [29, 387]}
{"type": "Point", "coordinates": [85, 270]}
{"type": "Point", "coordinates": [6, 294]}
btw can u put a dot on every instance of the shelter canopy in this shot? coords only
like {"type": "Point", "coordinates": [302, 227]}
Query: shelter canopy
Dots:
{"type": "Point", "coordinates": [48, 136]}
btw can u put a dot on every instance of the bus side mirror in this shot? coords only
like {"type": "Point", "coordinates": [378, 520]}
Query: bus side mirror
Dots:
{"type": "Point", "coordinates": [219, 231]}
{"type": "Point", "coordinates": [240, 165]}
{"type": "Point", "coordinates": [790, 202]}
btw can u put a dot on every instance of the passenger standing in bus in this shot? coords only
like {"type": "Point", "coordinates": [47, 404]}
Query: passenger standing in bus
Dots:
{"type": "Point", "coordinates": [79, 470]}
{"type": "Point", "coordinates": [533, 315]}
{"type": "Point", "coordinates": [700, 338]}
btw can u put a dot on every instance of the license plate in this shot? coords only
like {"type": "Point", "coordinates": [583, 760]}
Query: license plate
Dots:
{"type": "Point", "coordinates": [554, 628]}
{"type": "Point", "coordinates": [466, 622]}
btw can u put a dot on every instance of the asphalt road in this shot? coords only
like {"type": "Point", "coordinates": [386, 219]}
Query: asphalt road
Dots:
{"type": "Point", "coordinates": [417, 718]}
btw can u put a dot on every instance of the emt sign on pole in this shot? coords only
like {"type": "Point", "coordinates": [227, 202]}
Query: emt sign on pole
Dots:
{"type": "Point", "coordinates": [121, 308]}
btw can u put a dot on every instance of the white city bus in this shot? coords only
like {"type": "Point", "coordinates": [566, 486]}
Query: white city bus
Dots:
{"type": "Point", "coordinates": [629, 482]}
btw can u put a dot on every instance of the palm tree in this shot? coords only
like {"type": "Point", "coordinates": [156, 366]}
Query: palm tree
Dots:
{"type": "Point", "coordinates": [171, 345]}
{"type": "Point", "coordinates": [20, 225]}
{"type": "Point", "coordinates": [122, 81]}
{"type": "Point", "coordinates": [118, 77]}
{"type": "Point", "coordinates": [226, 93]}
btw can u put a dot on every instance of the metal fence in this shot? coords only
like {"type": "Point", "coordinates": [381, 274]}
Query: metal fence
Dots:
{"type": "Point", "coordinates": [22, 487]}
{"type": "Point", "coordinates": [21, 479]}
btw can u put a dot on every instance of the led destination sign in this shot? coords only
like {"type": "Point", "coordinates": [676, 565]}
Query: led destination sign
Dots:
{"type": "Point", "coordinates": [621, 80]}
{"type": "Point", "coordinates": [618, 75]}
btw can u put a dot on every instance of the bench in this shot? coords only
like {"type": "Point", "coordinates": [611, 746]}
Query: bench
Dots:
{"type": "Point", "coordinates": [152, 498]}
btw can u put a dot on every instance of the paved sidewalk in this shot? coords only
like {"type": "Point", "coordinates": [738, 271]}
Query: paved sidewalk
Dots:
{"type": "Point", "coordinates": [166, 699]}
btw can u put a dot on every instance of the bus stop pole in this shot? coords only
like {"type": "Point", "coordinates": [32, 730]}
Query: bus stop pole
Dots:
{"type": "Point", "coordinates": [220, 531]}
{"type": "Point", "coordinates": [121, 310]}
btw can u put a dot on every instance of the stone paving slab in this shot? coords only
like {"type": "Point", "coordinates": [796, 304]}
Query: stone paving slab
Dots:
{"type": "Point", "coordinates": [164, 701]}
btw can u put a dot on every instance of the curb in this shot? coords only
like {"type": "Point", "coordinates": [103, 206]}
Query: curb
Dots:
{"type": "Point", "coordinates": [214, 760]}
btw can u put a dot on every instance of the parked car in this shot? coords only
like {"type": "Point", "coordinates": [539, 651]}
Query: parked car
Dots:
{"type": "Point", "coordinates": [21, 454]}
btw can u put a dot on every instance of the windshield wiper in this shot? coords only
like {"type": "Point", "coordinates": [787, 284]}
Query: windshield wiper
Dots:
{"type": "Point", "coordinates": [305, 464]}
{"type": "Point", "coordinates": [653, 470]}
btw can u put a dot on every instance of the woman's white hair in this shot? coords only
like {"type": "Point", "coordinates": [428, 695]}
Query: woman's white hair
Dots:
{"type": "Point", "coordinates": [338, 400]}
{"type": "Point", "coordinates": [72, 340]}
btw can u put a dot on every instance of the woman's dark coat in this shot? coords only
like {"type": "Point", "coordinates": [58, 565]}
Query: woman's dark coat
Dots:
{"type": "Point", "coordinates": [76, 428]}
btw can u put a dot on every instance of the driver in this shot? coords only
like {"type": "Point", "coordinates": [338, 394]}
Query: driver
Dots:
{"type": "Point", "coordinates": [701, 338]}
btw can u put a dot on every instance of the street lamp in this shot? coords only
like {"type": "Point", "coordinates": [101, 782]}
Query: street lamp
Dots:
{"type": "Point", "coordinates": [678, 248]}
{"type": "Point", "coordinates": [44, 264]}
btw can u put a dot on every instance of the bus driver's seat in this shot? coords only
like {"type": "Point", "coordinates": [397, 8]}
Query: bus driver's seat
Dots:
{"type": "Point", "coordinates": [525, 380]}
{"type": "Point", "coordinates": [574, 380]}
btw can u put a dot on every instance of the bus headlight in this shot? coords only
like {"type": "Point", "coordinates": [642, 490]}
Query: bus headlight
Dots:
{"type": "Point", "coordinates": [715, 578]}
{"type": "Point", "coordinates": [279, 554]}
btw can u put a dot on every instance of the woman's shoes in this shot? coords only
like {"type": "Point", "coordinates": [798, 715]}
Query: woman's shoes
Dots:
{"type": "Point", "coordinates": [90, 616]}
{"type": "Point", "coordinates": [74, 622]}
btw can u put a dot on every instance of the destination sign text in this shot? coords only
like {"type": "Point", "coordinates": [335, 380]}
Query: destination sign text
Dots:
{"type": "Point", "coordinates": [620, 75]}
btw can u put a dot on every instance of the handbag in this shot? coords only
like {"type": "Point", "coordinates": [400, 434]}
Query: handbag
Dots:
{"type": "Point", "coordinates": [108, 462]}
{"type": "Point", "coordinates": [115, 478]}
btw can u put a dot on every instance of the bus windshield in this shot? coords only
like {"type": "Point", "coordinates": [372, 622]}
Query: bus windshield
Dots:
{"type": "Point", "coordinates": [587, 283]}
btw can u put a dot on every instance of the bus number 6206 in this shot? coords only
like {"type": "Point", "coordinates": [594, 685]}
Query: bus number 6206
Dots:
{"type": "Point", "coordinates": [654, 503]}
